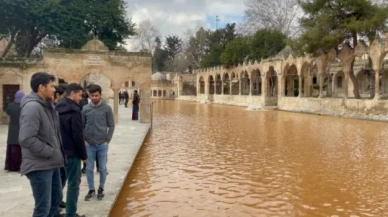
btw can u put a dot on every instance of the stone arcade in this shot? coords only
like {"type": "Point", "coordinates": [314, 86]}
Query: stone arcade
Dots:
{"type": "Point", "coordinates": [324, 81]}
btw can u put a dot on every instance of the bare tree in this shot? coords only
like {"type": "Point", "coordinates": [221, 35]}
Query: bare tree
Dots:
{"type": "Point", "coordinates": [146, 33]}
{"type": "Point", "coordinates": [195, 45]}
{"type": "Point", "coordinates": [280, 15]}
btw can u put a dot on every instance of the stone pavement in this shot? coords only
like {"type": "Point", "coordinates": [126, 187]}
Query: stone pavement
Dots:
{"type": "Point", "coordinates": [15, 192]}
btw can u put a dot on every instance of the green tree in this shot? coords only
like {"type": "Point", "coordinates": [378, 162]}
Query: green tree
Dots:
{"type": "Point", "coordinates": [216, 44]}
{"type": "Point", "coordinates": [213, 58]}
{"type": "Point", "coordinates": [236, 51]}
{"type": "Point", "coordinates": [329, 24]}
{"type": "Point", "coordinates": [173, 46]}
{"type": "Point", "coordinates": [11, 25]}
{"type": "Point", "coordinates": [266, 43]}
{"type": "Point", "coordinates": [69, 23]}
{"type": "Point", "coordinates": [159, 57]}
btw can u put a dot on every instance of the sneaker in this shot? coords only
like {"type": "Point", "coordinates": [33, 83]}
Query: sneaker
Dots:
{"type": "Point", "coordinates": [90, 194]}
{"type": "Point", "coordinates": [100, 194]}
{"type": "Point", "coordinates": [62, 205]}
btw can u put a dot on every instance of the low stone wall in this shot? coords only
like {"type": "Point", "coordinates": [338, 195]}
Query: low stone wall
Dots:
{"type": "Point", "coordinates": [375, 110]}
{"type": "Point", "coordinates": [239, 100]}
{"type": "Point", "coordinates": [187, 98]}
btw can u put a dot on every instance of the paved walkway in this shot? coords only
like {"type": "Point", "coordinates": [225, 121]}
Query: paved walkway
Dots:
{"type": "Point", "coordinates": [15, 192]}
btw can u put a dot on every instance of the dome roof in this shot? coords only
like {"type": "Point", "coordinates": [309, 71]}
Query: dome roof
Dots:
{"type": "Point", "coordinates": [158, 77]}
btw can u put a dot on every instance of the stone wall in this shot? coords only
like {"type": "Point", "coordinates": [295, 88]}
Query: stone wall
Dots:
{"type": "Point", "coordinates": [75, 65]}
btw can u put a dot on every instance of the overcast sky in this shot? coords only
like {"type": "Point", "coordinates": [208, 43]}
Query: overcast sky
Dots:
{"type": "Point", "coordinates": [177, 16]}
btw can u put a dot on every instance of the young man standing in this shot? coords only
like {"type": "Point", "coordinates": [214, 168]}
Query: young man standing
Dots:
{"type": "Point", "coordinates": [42, 151]}
{"type": "Point", "coordinates": [71, 126]}
{"type": "Point", "coordinates": [99, 126]}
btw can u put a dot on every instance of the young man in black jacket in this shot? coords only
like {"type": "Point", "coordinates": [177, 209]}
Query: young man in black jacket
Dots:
{"type": "Point", "coordinates": [72, 133]}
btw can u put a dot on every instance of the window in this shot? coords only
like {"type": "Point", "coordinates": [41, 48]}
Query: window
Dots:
{"type": "Point", "coordinates": [133, 83]}
{"type": "Point", "coordinates": [126, 84]}
{"type": "Point", "coordinates": [339, 82]}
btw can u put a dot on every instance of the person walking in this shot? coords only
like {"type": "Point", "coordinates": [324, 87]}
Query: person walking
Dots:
{"type": "Point", "coordinates": [126, 98]}
{"type": "Point", "coordinates": [42, 151]}
{"type": "Point", "coordinates": [71, 126]}
{"type": "Point", "coordinates": [99, 126]}
{"type": "Point", "coordinates": [13, 158]}
{"type": "Point", "coordinates": [135, 106]}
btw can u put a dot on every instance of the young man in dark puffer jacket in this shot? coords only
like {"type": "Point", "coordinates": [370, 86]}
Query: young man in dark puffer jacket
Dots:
{"type": "Point", "coordinates": [72, 133]}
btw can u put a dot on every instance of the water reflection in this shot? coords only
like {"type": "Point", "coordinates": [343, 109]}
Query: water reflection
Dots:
{"type": "Point", "coordinates": [213, 160]}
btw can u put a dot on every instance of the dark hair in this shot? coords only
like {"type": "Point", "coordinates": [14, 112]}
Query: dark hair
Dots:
{"type": "Point", "coordinates": [73, 87]}
{"type": "Point", "coordinates": [59, 90]}
{"type": "Point", "coordinates": [40, 78]}
{"type": "Point", "coordinates": [94, 88]}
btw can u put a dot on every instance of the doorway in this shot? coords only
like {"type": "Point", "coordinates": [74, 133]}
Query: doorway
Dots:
{"type": "Point", "coordinates": [9, 91]}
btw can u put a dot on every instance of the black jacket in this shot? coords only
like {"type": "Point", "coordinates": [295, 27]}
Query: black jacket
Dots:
{"type": "Point", "coordinates": [13, 111]}
{"type": "Point", "coordinates": [71, 126]}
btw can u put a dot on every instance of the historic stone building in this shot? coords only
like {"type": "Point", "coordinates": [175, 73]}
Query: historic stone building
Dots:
{"type": "Point", "coordinates": [170, 85]}
{"type": "Point", "coordinates": [94, 63]}
{"type": "Point", "coordinates": [310, 84]}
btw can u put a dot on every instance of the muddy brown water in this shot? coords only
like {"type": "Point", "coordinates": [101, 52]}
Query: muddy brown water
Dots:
{"type": "Point", "coordinates": [216, 160]}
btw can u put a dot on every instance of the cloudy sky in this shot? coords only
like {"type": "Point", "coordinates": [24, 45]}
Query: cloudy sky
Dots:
{"type": "Point", "coordinates": [177, 16]}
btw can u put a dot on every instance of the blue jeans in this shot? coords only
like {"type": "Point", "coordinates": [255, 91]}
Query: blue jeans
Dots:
{"type": "Point", "coordinates": [47, 191]}
{"type": "Point", "coordinates": [73, 172]}
{"type": "Point", "coordinates": [102, 153]}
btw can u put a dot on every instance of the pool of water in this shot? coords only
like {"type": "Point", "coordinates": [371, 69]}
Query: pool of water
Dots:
{"type": "Point", "coordinates": [215, 160]}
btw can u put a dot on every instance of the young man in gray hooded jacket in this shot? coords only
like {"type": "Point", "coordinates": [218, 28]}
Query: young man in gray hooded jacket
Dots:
{"type": "Point", "coordinates": [40, 141]}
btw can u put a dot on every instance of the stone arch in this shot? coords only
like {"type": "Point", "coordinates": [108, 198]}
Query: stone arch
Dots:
{"type": "Point", "coordinates": [211, 84]}
{"type": "Point", "coordinates": [256, 82]}
{"type": "Point", "coordinates": [226, 82]}
{"type": "Point", "coordinates": [218, 84]}
{"type": "Point", "coordinates": [291, 81]}
{"type": "Point", "coordinates": [245, 82]}
{"type": "Point", "coordinates": [335, 78]}
{"type": "Point", "coordinates": [235, 84]}
{"type": "Point", "coordinates": [95, 78]}
{"type": "Point", "coordinates": [201, 85]}
{"type": "Point", "coordinates": [314, 79]}
{"type": "Point", "coordinates": [272, 83]}
{"type": "Point", "coordinates": [366, 77]}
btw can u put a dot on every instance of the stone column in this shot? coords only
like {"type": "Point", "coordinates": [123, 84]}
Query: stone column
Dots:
{"type": "Point", "coordinates": [300, 86]}
{"type": "Point", "coordinates": [145, 105]}
{"type": "Point", "coordinates": [206, 87]}
{"type": "Point", "coordinates": [264, 89]}
{"type": "Point", "coordinates": [116, 104]}
{"type": "Point", "coordinates": [346, 84]}
{"type": "Point", "coordinates": [320, 86]}
{"type": "Point", "coordinates": [239, 87]}
{"type": "Point", "coordinates": [230, 86]}
{"type": "Point", "coordinates": [250, 87]}
{"type": "Point", "coordinates": [377, 82]}
{"type": "Point", "coordinates": [222, 87]}
{"type": "Point", "coordinates": [215, 87]}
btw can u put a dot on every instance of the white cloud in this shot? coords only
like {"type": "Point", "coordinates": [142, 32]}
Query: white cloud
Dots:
{"type": "Point", "coordinates": [177, 16]}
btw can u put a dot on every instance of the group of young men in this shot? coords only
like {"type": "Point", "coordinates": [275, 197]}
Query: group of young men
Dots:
{"type": "Point", "coordinates": [62, 136]}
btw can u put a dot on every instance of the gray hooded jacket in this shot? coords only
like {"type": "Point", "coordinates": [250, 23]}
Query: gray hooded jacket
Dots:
{"type": "Point", "coordinates": [39, 135]}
